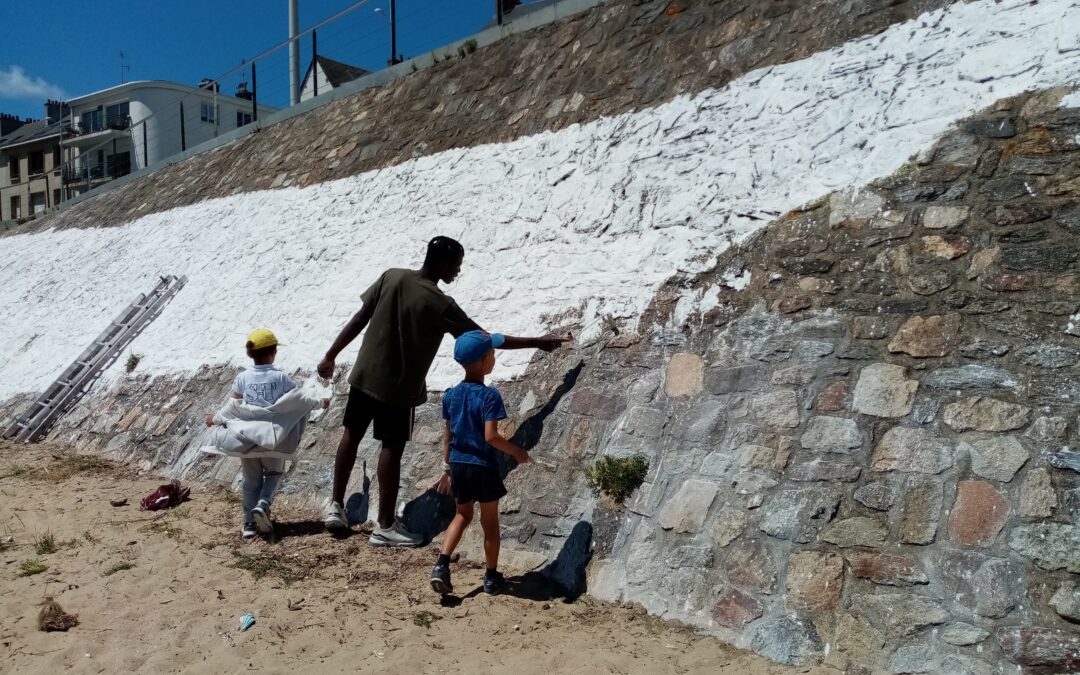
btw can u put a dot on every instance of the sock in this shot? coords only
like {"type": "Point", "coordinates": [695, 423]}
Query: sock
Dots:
{"type": "Point", "coordinates": [444, 559]}
{"type": "Point", "coordinates": [492, 571]}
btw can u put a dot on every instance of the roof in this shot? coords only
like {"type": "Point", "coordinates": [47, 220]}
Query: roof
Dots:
{"type": "Point", "coordinates": [29, 133]}
{"type": "Point", "coordinates": [115, 92]}
{"type": "Point", "coordinates": [336, 72]}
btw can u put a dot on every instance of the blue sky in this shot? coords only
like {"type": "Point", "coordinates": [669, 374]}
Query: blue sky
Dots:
{"type": "Point", "coordinates": [71, 47]}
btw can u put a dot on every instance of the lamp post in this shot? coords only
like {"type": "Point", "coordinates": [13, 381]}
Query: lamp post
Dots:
{"type": "Point", "coordinates": [294, 51]}
{"type": "Point", "coordinates": [394, 56]}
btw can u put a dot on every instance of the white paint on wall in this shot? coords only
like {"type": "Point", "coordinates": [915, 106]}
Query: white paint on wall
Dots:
{"type": "Point", "coordinates": [593, 217]}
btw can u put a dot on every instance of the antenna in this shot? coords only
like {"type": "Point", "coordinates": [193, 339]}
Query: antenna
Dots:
{"type": "Point", "coordinates": [123, 67]}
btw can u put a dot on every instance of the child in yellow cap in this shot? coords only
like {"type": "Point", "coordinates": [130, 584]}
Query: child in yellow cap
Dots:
{"type": "Point", "coordinates": [262, 386]}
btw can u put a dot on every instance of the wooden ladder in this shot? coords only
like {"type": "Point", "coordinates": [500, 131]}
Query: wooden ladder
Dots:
{"type": "Point", "coordinates": [77, 378]}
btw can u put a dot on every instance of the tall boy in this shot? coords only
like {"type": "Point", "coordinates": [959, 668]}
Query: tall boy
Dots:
{"type": "Point", "coordinates": [472, 411]}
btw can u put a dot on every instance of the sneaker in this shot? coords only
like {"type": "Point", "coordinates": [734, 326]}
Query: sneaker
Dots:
{"type": "Point", "coordinates": [248, 531]}
{"type": "Point", "coordinates": [261, 515]}
{"type": "Point", "coordinates": [334, 518]}
{"type": "Point", "coordinates": [493, 583]}
{"type": "Point", "coordinates": [440, 580]}
{"type": "Point", "coordinates": [395, 535]}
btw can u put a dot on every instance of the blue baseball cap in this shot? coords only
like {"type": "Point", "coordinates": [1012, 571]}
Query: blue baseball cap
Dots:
{"type": "Point", "coordinates": [472, 346]}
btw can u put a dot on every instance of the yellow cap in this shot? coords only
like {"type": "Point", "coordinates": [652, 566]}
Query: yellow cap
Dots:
{"type": "Point", "coordinates": [261, 338]}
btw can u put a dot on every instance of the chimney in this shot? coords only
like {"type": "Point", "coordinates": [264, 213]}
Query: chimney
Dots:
{"type": "Point", "coordinates": [55, 111]}
{"type": "Point", "coordinates": [207, 83]}
{"type": "Point", "coordinates": [9, 123]}
{"type": "Point", "coordinates": [242, 92]}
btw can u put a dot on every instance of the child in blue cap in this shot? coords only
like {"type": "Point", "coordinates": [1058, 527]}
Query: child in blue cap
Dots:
{"type": "Point", "coordinates": [471, 438]}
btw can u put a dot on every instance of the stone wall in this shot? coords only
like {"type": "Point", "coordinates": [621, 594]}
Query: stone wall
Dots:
{"type": "Point", "coordinates": [621, 56]}
{"type": "Point", "coordinates": [862, 454]}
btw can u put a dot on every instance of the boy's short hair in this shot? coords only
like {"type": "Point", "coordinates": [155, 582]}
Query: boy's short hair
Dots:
{"type": "Point", "coordinates": [443, 251]}
{"type": "Point", "coordinates": [472, 346]}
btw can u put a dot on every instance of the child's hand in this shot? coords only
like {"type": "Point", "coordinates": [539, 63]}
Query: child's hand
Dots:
{"type": "Point", "coordinates": [325, 403]}
{"type": "Point", "coordinates": [326, 368]}
{"type": "Point", "coordinates": [442, 486]}
{"type": "Point", "coordinates": [523, 458]}
{"type": "Point", "coordinates": [210, 420]}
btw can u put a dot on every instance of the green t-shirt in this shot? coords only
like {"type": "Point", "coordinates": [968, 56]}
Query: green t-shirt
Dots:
{"type": "Point", "coordinates": [409, 316]}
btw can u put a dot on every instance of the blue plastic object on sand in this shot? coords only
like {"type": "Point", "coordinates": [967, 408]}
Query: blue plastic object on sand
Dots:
{"type": "Point", "coordinates": [247, 621]}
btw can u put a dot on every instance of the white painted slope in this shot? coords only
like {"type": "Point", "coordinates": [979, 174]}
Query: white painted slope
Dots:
{"type": "Point", "coordinates": [593, 216]}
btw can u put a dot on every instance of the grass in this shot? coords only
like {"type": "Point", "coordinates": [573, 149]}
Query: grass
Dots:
{"type": "Point", "coordinates": [63, 468]}
{"type": "Point", "coordinates": [268, 564]}
{"type": "Point", "coordinates": [163, 526]}
{"type": "Point", "coordinates": [29, 568]}
{"type": "Point", "coordinates": [89, 537]}
{"type": "Point", "coordinates": [117, 567]}
{"type": "Point", "coordinates": [14, 471]}
{"type": "Point", "coordinates": [618, 477]}
{"type": "Point", "coordinates": [424, 618]}
{"type": "Point", "coordinates": [45, 544]}
{"type": "Point", "coordinates": [132, 361]}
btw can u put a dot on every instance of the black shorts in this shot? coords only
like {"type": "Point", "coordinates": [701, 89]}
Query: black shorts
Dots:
{"type": "Point", "coordinates": [475, 483]}
{"type": "Point", "coordinates": [393, 424]}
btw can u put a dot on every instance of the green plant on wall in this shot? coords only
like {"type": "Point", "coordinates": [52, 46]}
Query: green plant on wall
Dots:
{"type": "Point", "coordinates": [132, 361]}
{"type": "Point", "coordinates": [466, 48]}
{"type": "Point", "coordinates": [617, 477]}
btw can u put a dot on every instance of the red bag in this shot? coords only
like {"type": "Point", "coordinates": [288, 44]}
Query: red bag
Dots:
{"type": "Point", "coordinates": [165, 497]}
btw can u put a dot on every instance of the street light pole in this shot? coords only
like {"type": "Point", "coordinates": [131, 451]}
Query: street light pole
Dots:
{"type": "Point", "coordinates": [393, 33]}
{"type": "Point", "coordinates": [294, 51]}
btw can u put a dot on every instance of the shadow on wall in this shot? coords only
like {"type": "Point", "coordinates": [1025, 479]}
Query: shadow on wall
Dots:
{"type": "Point", "coordinates": [430, 513]}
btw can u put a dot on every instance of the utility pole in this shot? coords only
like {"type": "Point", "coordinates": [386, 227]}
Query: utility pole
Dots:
{"type": "Point", "coordinates": [294, 51]}
{"type": "Point", "coordinates": [393, 33]}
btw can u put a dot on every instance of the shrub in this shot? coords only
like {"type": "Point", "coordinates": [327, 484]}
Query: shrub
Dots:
{"type": "Point", "coordinates": [45, 544]}
{"type": "Point", "coordinates": [132, 361]}
{"type": "Point", "coordinates": [30, 567]}
{"type": "Point", "coordinates": [618, 477]}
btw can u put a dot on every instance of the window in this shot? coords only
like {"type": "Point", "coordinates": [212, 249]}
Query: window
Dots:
{"type": "Point", "coordinates": [242, 119]}
{"type": "Point", "coordinates": [16, 208]}
{"type": "Point", "coordinates": [13, 168]}
{"type": "Point", "coordinates": [207, 112]}
{"type": "Point", "coordinates": [56, 157]}
{"type": "Point", "coordinates": [116, 116]}
{"type": "Point", "coordinates": [55, 197]}
{"type": "Point", "coordinates": [37, 202]}
{"type": "Point", "coordinates": [93, 120]}
{"type": "Point", "coordinates": [36, 163]}
{"type": "Point", "coordinates": [118, 165]}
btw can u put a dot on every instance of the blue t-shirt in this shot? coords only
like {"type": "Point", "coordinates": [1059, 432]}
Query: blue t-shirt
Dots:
{"type": "Point", "coordinates": [467, 406]}
{"type": "Point", "coordinates": [262, 386]}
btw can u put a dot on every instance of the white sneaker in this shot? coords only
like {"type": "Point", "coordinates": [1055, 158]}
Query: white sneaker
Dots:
{"type": "Point", "coordinates": [261, 515]}
{"type": "Point", "coordinates": [334, 518]}
{"type": "Point", "coordinates": [395, 535]}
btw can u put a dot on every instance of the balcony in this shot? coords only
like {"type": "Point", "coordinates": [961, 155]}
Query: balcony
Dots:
{"type": "Point", "coordinates": [89, 133]}
{"type": "Point", "coordinates": [98, 173]}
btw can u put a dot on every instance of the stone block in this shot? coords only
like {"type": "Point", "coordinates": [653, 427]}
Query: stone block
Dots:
{"type": "Point", "coordinates": [787, 639]}
{"type": "Point", "coordinates": [899, 614]}
{"type": "Point", "coordinates": [685, 375]}
{"type": "Point", "coordinates": [887, 569]}
{"type": "Point", "coordinates": [971, 376]}
{"type": "Point", "coordinates": [686, 510]}
{"type": "Point", "coordinates": [978, 514]}
{"type": "Point", "coordinates": [735, 609]}
{"type": "Point", "coordinates": [857, 531]}
{"type": "Point", "coordinates": [921, 511]}
{"type": "Point", "coordinates": [753, 456]}
{"type": "Point", "coordinates": [997, 458]}
{"type": "Point", "coordinates": [831, 434]}
{"type": "Point", "coordinates": [732, 380]}
{"type": "Point", "coordinates": [1066, 600]}
{"type": "Point", "coordinates": [1052, 546]}
{"type": "Point", "coordinates": [913, 659]}
{"type": "Point", "coordinates": [883, 390]}
{"type": "Point", "coordinates": [869, 328]}
{"type": "Point", "coordinates": [961, 664]}
{"type": "Point", "coordinates": [800, 514]}
{"type": "Point", "coordinates": [593, 403]}
{"type": "Point", "coordinates": [778, 409]}
{"type": "Point", "coordinates": [793, 376]}
{"type": "Point", "coordinates": [934, 335]}
{"type": "Point", "coordinates": [854, 208]}
{"type": "Point", "coordinates": [751, 566]}
{"type": "Point", "coordinates": [1049, 648]}
{"type": "Point", "coordinates": [1048, 356]}
{"type": "Point", "coordinates": [944, 217]}
{"type": "Point", "coordinates": [1008, 283]}
{"type": "Point", "coordinates": [877, 496]}
{"type": "Point", "coordinates": [814, 580]}
{"type": "Point", "coordinates": [963, 634]}
{"type": "Point", "coordinates": [997, 584]}
{"type": "Point", "coordinates": [1048, 430]}
{"type": "Point", "coordinates": [644, 422]}
{"type": "Point", "coordinates": [824, 470]}
{"type": "Point", "coordinates": [912, 449]}
{"type": "Point", "coordinates": [1065, 459]}
{"type": "Point", "coordinates": [728, 525]}
{"type": "Point", "coordinates": [947, 247]}
{"type": "Point", "coordinates": [980, 413]}
{"type": "Point", "coordinates": [1037, 498]}
{"type": "Point", "coordinates": [928, 281]}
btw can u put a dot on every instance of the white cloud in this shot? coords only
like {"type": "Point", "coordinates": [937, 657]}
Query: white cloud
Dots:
{"type": "Point", "coordinates": [15, 83]}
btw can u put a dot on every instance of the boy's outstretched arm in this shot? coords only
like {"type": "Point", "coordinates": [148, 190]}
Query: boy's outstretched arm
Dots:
{"type": "Point", "coordinates": [442, 486]}
{"type": "Point", "coordinates": [353, 328]}
{"type": "Point", "coordinates": [545, 343]}
{"type": "Point", "coordinates": [495, 440]}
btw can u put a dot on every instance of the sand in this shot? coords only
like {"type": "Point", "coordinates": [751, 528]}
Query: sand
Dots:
{"type": "Point", "coordinates": [162, 592]}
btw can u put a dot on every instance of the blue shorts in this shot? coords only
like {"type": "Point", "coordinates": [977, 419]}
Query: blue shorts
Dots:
{"type": "Point", "coordinates": [475, 483]}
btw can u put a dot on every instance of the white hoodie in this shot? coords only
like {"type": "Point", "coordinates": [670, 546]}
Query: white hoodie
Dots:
{"type": "Point", "coordinates": [242, 430]}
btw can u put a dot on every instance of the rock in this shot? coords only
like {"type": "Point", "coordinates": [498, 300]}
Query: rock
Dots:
{"type": "Point", "coordinates": [854, 208]}
{"type": "Point", "coordinates": [1053, 546]}
{"type": "Point", "coordinates": [981, 349]}
{"type": "Point", "coordinates": [1046, 647]}
{"type": "Point", "coordinates": [800, 514]}
{"type": "Point", "coordinates": [857, 531]}
{"type": "Point", "coordinates": [750, 566]}
{"type": "Point", "coordinates": [1003, 189]}
{"type": "Point", "coordinates": [735, 609]}
{"type": "Point", "coordinates": [925, 410]}
{"type": "Point", "coordinates": [814, 580]}
{"type": "Point", "coordinates": [752, 456]}
{"type": "Point", "coordinates": [812, 349]}
{"type": "Point", "coordinates": [685, 375]}
{"type": "Point", "coordinates": [732, 380]}
{"type": "Point", "coordinates": [592, 403]}
{"type": "Point", "coordinates": [793, 376]}
{"type": "Point", "coordinates": [912, 450]}
{"type": "Point", "coordinates": [912, 659]}
{"type": "Point", "coordinates": [1000, 127]}
{"type": "Point", "coordinates": [899, 614]}
{"type": "Point", "coordinates": [997, 584]}
{"type": "Point", "coordinates": [934, 335]}
{"type": "Point", "coordinates": [824, 470]}
{"type": "Point", "coordinates": [980, 413]}
{"type": "Point", "coordinates": [853, 350]}
{"type": "Point", "coordinates": [645, 422]}
{"type": "Point", "coordinates": [947, 247]}
{"type": "Point", "coordinates": [1017, 214]}
{"type": "Point", "coordinates": [868, 328]}
{"type": "Point", "coordinates": [883, 391]}
{"type": "Point", "coordinates": [930, 281]}
{"type": "Point", "coordinates": [971, 376]}
{"type": "Point", "coordinates": [1037, 498]}
{"type": "Point", "coordinates": [981, 261]}
{"type": "Point", "coordinates": [772, 351]}
{"type": "Point", "coordinates": [686, 510]}
{"type": "Point", "coordinates": [1050, 257]}
{"type": "Point", "coordinates": [1048, 356]}
{"type": "Point", "coordinates": [978, 514]}
{"type": "Point", "coordinates": [729, 524]}
{"type": "Point", "coordinates": [1048, 429]}
{"type": "Point", "coordinates": [963, 634]}
{"type": "Point", "coordinates": [806, 266]}
{"type": "Point", "coordinates": [859, 640]}
{"type": "Point", "coordinates": [921, 512]}
{"type": "Point", "coordinates": [834, 397]}
{"type": "Point", "coordinates": [787, 640]}
{"type": "Point", "coordinates": [793, 303]}
{"type": "Point", "coordinates": [878, 496]}
{"type": "Point", "coordinates": [1008, 283]}
{"type": "Point", "coordinates": [1063, 460]}
{"type": "Point", "coordinates": [778, 409]}
{"type": "Point", "coordinates": [831, 434]}
{"type": "Point", "coordinates": [1066, 600]}
{"type": "Point", "coordinates": [887, 569]}
{"type": "Point", "coordinates": [960, 664]}
{"type": "Point", "coordinates": [818, 285]}
{"type": "Point", "coordinates": [997, 458]}
{"type": "Point", "coordinates": [944, 217]}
